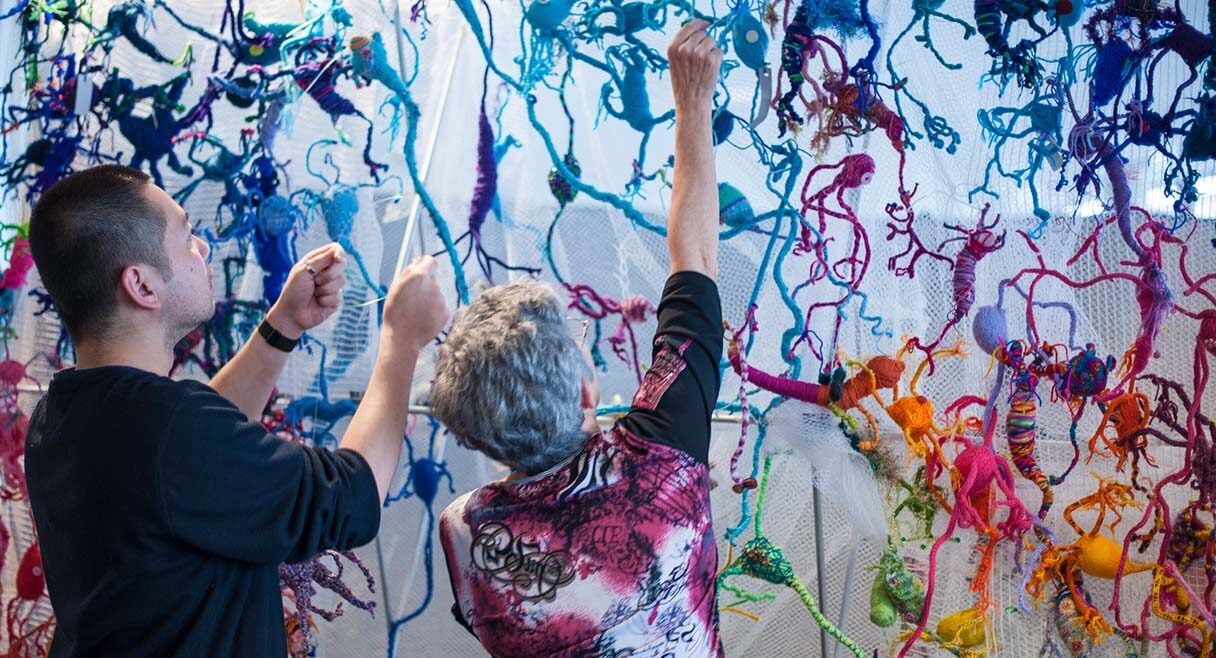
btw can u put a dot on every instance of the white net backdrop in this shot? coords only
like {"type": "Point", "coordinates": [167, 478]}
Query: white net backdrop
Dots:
{"type": "Point", "coordinates": [596, 244]}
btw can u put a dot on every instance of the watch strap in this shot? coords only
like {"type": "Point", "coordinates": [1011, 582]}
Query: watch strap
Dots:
{"type": "Point", "coordinates": [276, 339]}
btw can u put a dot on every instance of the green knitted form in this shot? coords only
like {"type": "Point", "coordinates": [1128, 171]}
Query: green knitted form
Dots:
{"type": "Point", "coordinates": [765, 560]}
{"type": "Point", "coordinates": [762, 559]}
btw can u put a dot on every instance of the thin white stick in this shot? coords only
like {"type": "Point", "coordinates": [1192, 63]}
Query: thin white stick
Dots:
{"type": "Point", "coordinates": [819, 565]}
{"type": "Point", "coordinates": [424, 173]}
{"type": "Point", "coordinates": [402, 254]}
{"type": "Point", "coordinates": [848, 588]}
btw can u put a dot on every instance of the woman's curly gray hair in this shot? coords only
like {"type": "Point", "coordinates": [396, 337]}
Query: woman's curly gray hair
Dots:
{"type": "Point", "coordinates": [508, 379]}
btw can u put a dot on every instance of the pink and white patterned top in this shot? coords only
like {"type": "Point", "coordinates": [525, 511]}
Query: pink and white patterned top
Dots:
{"type": "Point", "coordinates": [611, 553]}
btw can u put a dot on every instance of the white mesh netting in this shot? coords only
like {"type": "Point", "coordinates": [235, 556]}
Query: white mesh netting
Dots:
{"type": "Point", "coordinates": [595, 244]}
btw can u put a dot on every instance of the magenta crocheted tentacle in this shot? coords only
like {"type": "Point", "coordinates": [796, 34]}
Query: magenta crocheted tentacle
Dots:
{"type": "Point", "coordinates": [1201, 375]}
{"type": "Point", "coordinates": [931, 580]}
{"type": "Point", "coordinates": [1193, 286]}
{"type": "Point", "coordinates": [783, 386]}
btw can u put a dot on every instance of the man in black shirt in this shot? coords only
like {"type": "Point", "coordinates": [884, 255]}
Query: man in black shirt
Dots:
{"type": "Point", "coordinates": [162, 507]}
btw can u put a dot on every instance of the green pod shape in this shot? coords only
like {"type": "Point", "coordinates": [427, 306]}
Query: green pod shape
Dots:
{"type": "Point", "coordinates": [882, 608]}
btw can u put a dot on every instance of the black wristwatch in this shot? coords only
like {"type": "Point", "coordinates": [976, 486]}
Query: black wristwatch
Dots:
{"type": "Point", "coordinates": [276, 339]}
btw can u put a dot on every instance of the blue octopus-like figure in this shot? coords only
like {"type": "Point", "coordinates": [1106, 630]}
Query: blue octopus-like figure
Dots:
{"type": "Point", "coordinates": [423, 478]}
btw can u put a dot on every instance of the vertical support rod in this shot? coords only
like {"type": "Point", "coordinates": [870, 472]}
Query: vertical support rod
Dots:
{"type": "Point", "coordinates": [848, 589]}
{"type": "Point", "coordinates": [819, 565]}
{"type": "Point", "coordinates": [425, 170]}
{"type": "Point", "coordinates": [402, 253]}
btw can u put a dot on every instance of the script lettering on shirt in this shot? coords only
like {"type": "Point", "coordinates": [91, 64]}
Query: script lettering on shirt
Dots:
{"type": "Point", "coordinates": [687, 633]}
{"type": "Point", "coordinates": [606, 535]}
{"type": "Point", "coordinates": [532, 573]}
{"type": "Point", "coordinates": [662, 591]}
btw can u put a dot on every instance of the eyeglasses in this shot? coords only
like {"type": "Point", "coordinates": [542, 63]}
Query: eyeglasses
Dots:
{"type": "Point", "coordinates": [582, 340]}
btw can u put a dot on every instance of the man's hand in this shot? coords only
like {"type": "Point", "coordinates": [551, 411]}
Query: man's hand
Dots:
{"type": "Point", "coordinates": [694, 58]}
{"type": "Point", "coordinates": [312, 293]}
{"type": "Point", "coordinates": [415, 311]}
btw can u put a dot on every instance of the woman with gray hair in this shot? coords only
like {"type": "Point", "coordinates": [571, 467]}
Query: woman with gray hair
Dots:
{"type": "Point", "coordinates": [597, 543]}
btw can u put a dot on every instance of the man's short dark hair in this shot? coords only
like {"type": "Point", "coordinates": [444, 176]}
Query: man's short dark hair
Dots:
{"type": "Point", "coordinates": [84, 231]}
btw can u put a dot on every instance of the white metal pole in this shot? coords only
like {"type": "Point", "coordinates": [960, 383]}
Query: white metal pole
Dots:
{"type": "Point", "coordinates": [402, 254]}
{"type": "Point", "coordinates": [425, 170]}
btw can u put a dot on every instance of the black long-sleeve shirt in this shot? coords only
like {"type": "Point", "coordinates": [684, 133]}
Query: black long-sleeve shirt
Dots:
{"type": "Point", "coordinates": [689, 310]}
{"type": "Point", "coordinates": [162, 514]}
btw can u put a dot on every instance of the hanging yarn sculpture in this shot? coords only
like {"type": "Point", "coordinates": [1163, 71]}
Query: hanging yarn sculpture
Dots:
{"type": "Point", "coordinates": [902, 219]}
{"type": "Point", "coordinates": [1085, 377]}
{"type": "Point", "coordinates": [962, 633]}
{"type": "Point", "coordinates": [424, 476]}
{"type": "Point", "coordinates": [316, 73]}
{"type": "Point", "coordinates": [764, 560]}
{"type": "Point", "coordinates": [338, 208]}
{"type": "Point", "coordinates": [630, 86]}
{"type": "Point", "coordinates": [832, 392]}
{"type": "Point", "coordinates": [914, 414]}
{"type": "Point", "coordinates": [321, 414]}
{"type": "Point", "coordinates": [936, 129]}
{"type": "Point", "coordinates": [627, 20]}
{"type": "Point", "coordinates": [1094, 143]}
{"type": "Point", "coordinates": [13, 428]}
{"type": "Point", "coordinates": [54, 105]}
{"type": "Point", "coordinates": [992, 20]}
{"type": "Point", "coordinates": [802, 43]}
{"type": "Point", "coordinates": [27, 634]}
{"type": "Point", "coordinates": [977, 243]}
{"type": "Point", "coordinates": [856, 108]}
{"type": "Point", "coordinates": [1044, 117]}
{"type": "Point", "coordinates": [1020, 422]}
{"type": "Point", "coordinates": [1127, 414]}
{"type": "Point", "coordinates": [123, 20]}
{"type": "Point", "coordinates": [922, 501]}
{"type": "Point", "coordinates": [750, 41]}
{"type": "Point", "coordinates": [896, 592]}
{"type": "Point", "coordinates": [976, 470]}
{"type": "Point", "coordinates": [152, 136]}
{"type": "Point", "coordinates": [881, 372]}
{"type": "Point", "coordinates": [303, 579]}
{"type": "Point", "coordinates": [370, 62]}
{"type": "Point", "coordinates": [633, 310]}
{"type": "Point", "coordinates": [20, 263]}
{"type": "Point", "coordinates": [848, 272]}
{"type": "Point", "coordinates": [1093, 554]}
{"type": "Point", "coordinates": [275, 220]}
{"type": "Point", "coordinates": [734, 210]}
{"type": "Point", "coordinates": [222, 167]}
{"type": "Point", "coordinates": [485, 192]}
